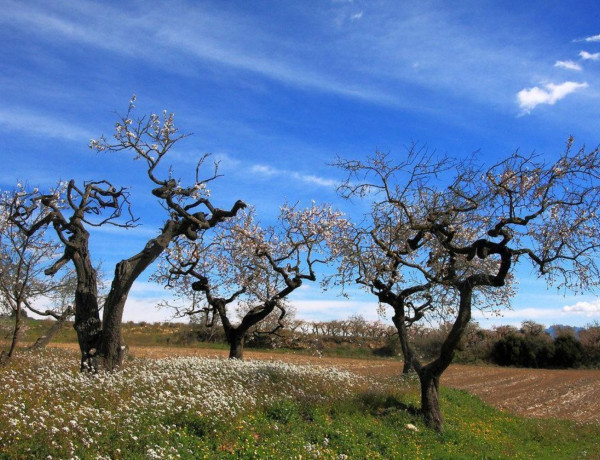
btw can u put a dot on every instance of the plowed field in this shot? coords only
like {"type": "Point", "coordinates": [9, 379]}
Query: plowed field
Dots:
{"type": "Point", "coordinates": [567, 394]}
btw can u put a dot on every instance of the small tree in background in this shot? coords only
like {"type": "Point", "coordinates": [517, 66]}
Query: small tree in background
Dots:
{"type": "Point", "coordinates": [444, 236]}
{"type": "Point", "coordinates": [23, 258]}
{"type": "Point", "coordinates": [62, 299]}
{"type": "Point", "coordinates": [532, 328]}
{"type": "Point", "coordinates": [524, 349]}
{"type": "Point", "coordinates": [568, 352]}
{"type": "Point", "coordinates": [248, 271]}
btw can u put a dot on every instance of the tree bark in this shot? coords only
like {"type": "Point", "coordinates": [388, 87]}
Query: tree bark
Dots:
{"type": "Point", "coordinates": [111, 350]}
{"type": "Point", "coordinates": [87, 312]}
{"type": "Point", "coordinates": [6, 357]}
{"type": "Point", "coordinates": [236, 344]}
{"type": "Point", "coordinates": [429, 375]}
{"type": "Point", "coordinates": [430, 402]}
{"type": "Point", "coordinates": [407, 351]}
{"type": "Point", "coordinates": [235, 334]}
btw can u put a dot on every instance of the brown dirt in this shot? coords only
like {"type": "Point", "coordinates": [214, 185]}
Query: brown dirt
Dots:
{"type": "Point", "coordinates": [566, 394]}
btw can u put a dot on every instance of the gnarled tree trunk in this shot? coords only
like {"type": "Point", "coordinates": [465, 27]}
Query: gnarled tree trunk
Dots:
{"type": "Point", "coordinates": [6, 357]}
{"type": "Point", "coordinates": [87, 312]}
{"type": "Point", "coordinates": [236, 344]}
{"type": "Point", "coordinates": [112, 351]}
{"type": "Point", "coordinates": [429, 375]}
{"type": "Point", "coordinates": [87, 322]}
{"type": "Point", "coordinates": [407, 351]}
{"type": "Point", "coordinates": [430, 399]}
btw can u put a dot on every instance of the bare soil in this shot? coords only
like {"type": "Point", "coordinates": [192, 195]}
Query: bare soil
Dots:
{"type": "Point", "coordinates": [546, 393]}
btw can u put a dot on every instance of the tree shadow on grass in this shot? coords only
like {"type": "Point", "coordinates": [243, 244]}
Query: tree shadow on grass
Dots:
{"type": "Point", "coordinates": [378, 404]}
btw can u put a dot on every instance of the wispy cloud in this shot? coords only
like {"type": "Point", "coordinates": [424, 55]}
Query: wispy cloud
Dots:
{"type": "Point", "coordinates": [40, 124]}
{"type": "Point", "coordinates": [312, 179]}
{"type": "Point", "coordinates": [307, 178]}
{"type": "Point", "coordinates": [265, 170]}
{"type": "Point", "coordinates": [585, 308]}
{"type": "Point", "coordinates": [570, 65]}
{"type": "Point", "coordinates": [589, 56]}
{"type": "Point", "coordinates": [530, 98]}
{"type": "Point", "coordinates": [200, 33]}
{"type": "Point", "coordinates": [191, 37]}
{"type": "Point", "coordinates": [59, 24]}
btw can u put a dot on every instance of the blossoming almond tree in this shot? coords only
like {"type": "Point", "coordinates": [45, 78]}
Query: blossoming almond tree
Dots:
{"type": "Point", "coordinates": [62, 309]}
{"type": "Point", "coordinates": [247, 270]}
{"type": "Point", "coordinates": [70, 209]}
{"type": "Point", "coordinates": [444, 236]}
{"type": "Point", "coordinates": [23, 258]}
{"type": "Point", "coordinates": [99, 203]}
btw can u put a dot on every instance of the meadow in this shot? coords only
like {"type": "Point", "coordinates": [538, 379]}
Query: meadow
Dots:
{"type": "Point", "coordinates": [209, 407]}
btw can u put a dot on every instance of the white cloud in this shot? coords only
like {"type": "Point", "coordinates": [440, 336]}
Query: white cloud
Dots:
{"type": "Point", "coordinates": [529, 98]}
{"type": "Point", "coordinates": [586, 308]}
{"type": "Point", "coordinates": [593, 38]}
{"type": "Point", "coordinates": [137, 308]}
{"type": "Point", "coordinates": [308, 178]}
{"type": "Point", "coordinates": [145, 309]}
{"type": "Point", "coordinates": [265, 170]}
{"type": "Point", "coordinates": [311, 179]}
{"type": "Point", "coordinates": [570, 65]}
{"type": "Point", "coordinates": [191, 157]}
{"type": "Point", "coordinates": [326, 310]}
{"type": "Point", "coordinates": [356, 16]}
{"type": "Point", "coordinates": [589, 56]}
{"type": "Point", "coordinates": [147, 289]}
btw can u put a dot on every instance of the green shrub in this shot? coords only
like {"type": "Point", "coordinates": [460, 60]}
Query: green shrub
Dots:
{"type": "Point", "coordinates": [523, 351]}
{"type": "Point", "coordinates": [568, 352]}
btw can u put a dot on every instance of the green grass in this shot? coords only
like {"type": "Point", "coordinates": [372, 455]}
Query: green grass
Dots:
{"type": "Point", "coordinates": [134, 334]}
{"type": "Point", "coordinates": [33, 329]}
{"type": "Point", "coordinates": [375, 426]}
{"type": "Point", "coordinates": [178, 408]}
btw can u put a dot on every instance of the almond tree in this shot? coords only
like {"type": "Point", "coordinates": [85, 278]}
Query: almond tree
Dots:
{"type": "Point", "coordinates": [248, 271]}
{"type": "Point", "coordinates": [62, 300]}
{"type": "Point", "coordinates": [23, 258]}
{"type": "Point", "coordinates": [444, 236]}
{"type": "Point", "coordinates": [70, 210]}
{"type": "Point", "coordinates": [99, 203]}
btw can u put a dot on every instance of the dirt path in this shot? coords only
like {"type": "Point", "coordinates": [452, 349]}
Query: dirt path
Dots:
{"type": "Point", "coordinates": [567, 394]}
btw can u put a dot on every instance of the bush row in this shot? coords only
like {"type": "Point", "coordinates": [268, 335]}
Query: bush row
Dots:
{"type": "Point", "coordinates": [529, 346]}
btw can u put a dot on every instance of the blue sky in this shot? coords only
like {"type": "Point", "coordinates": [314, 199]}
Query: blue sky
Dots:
{"type": "Point", "coordinates": [276, 89]}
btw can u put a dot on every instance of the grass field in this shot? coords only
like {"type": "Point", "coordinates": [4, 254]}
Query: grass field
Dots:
{"type": "Point", "coordinates": [202, 407]}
